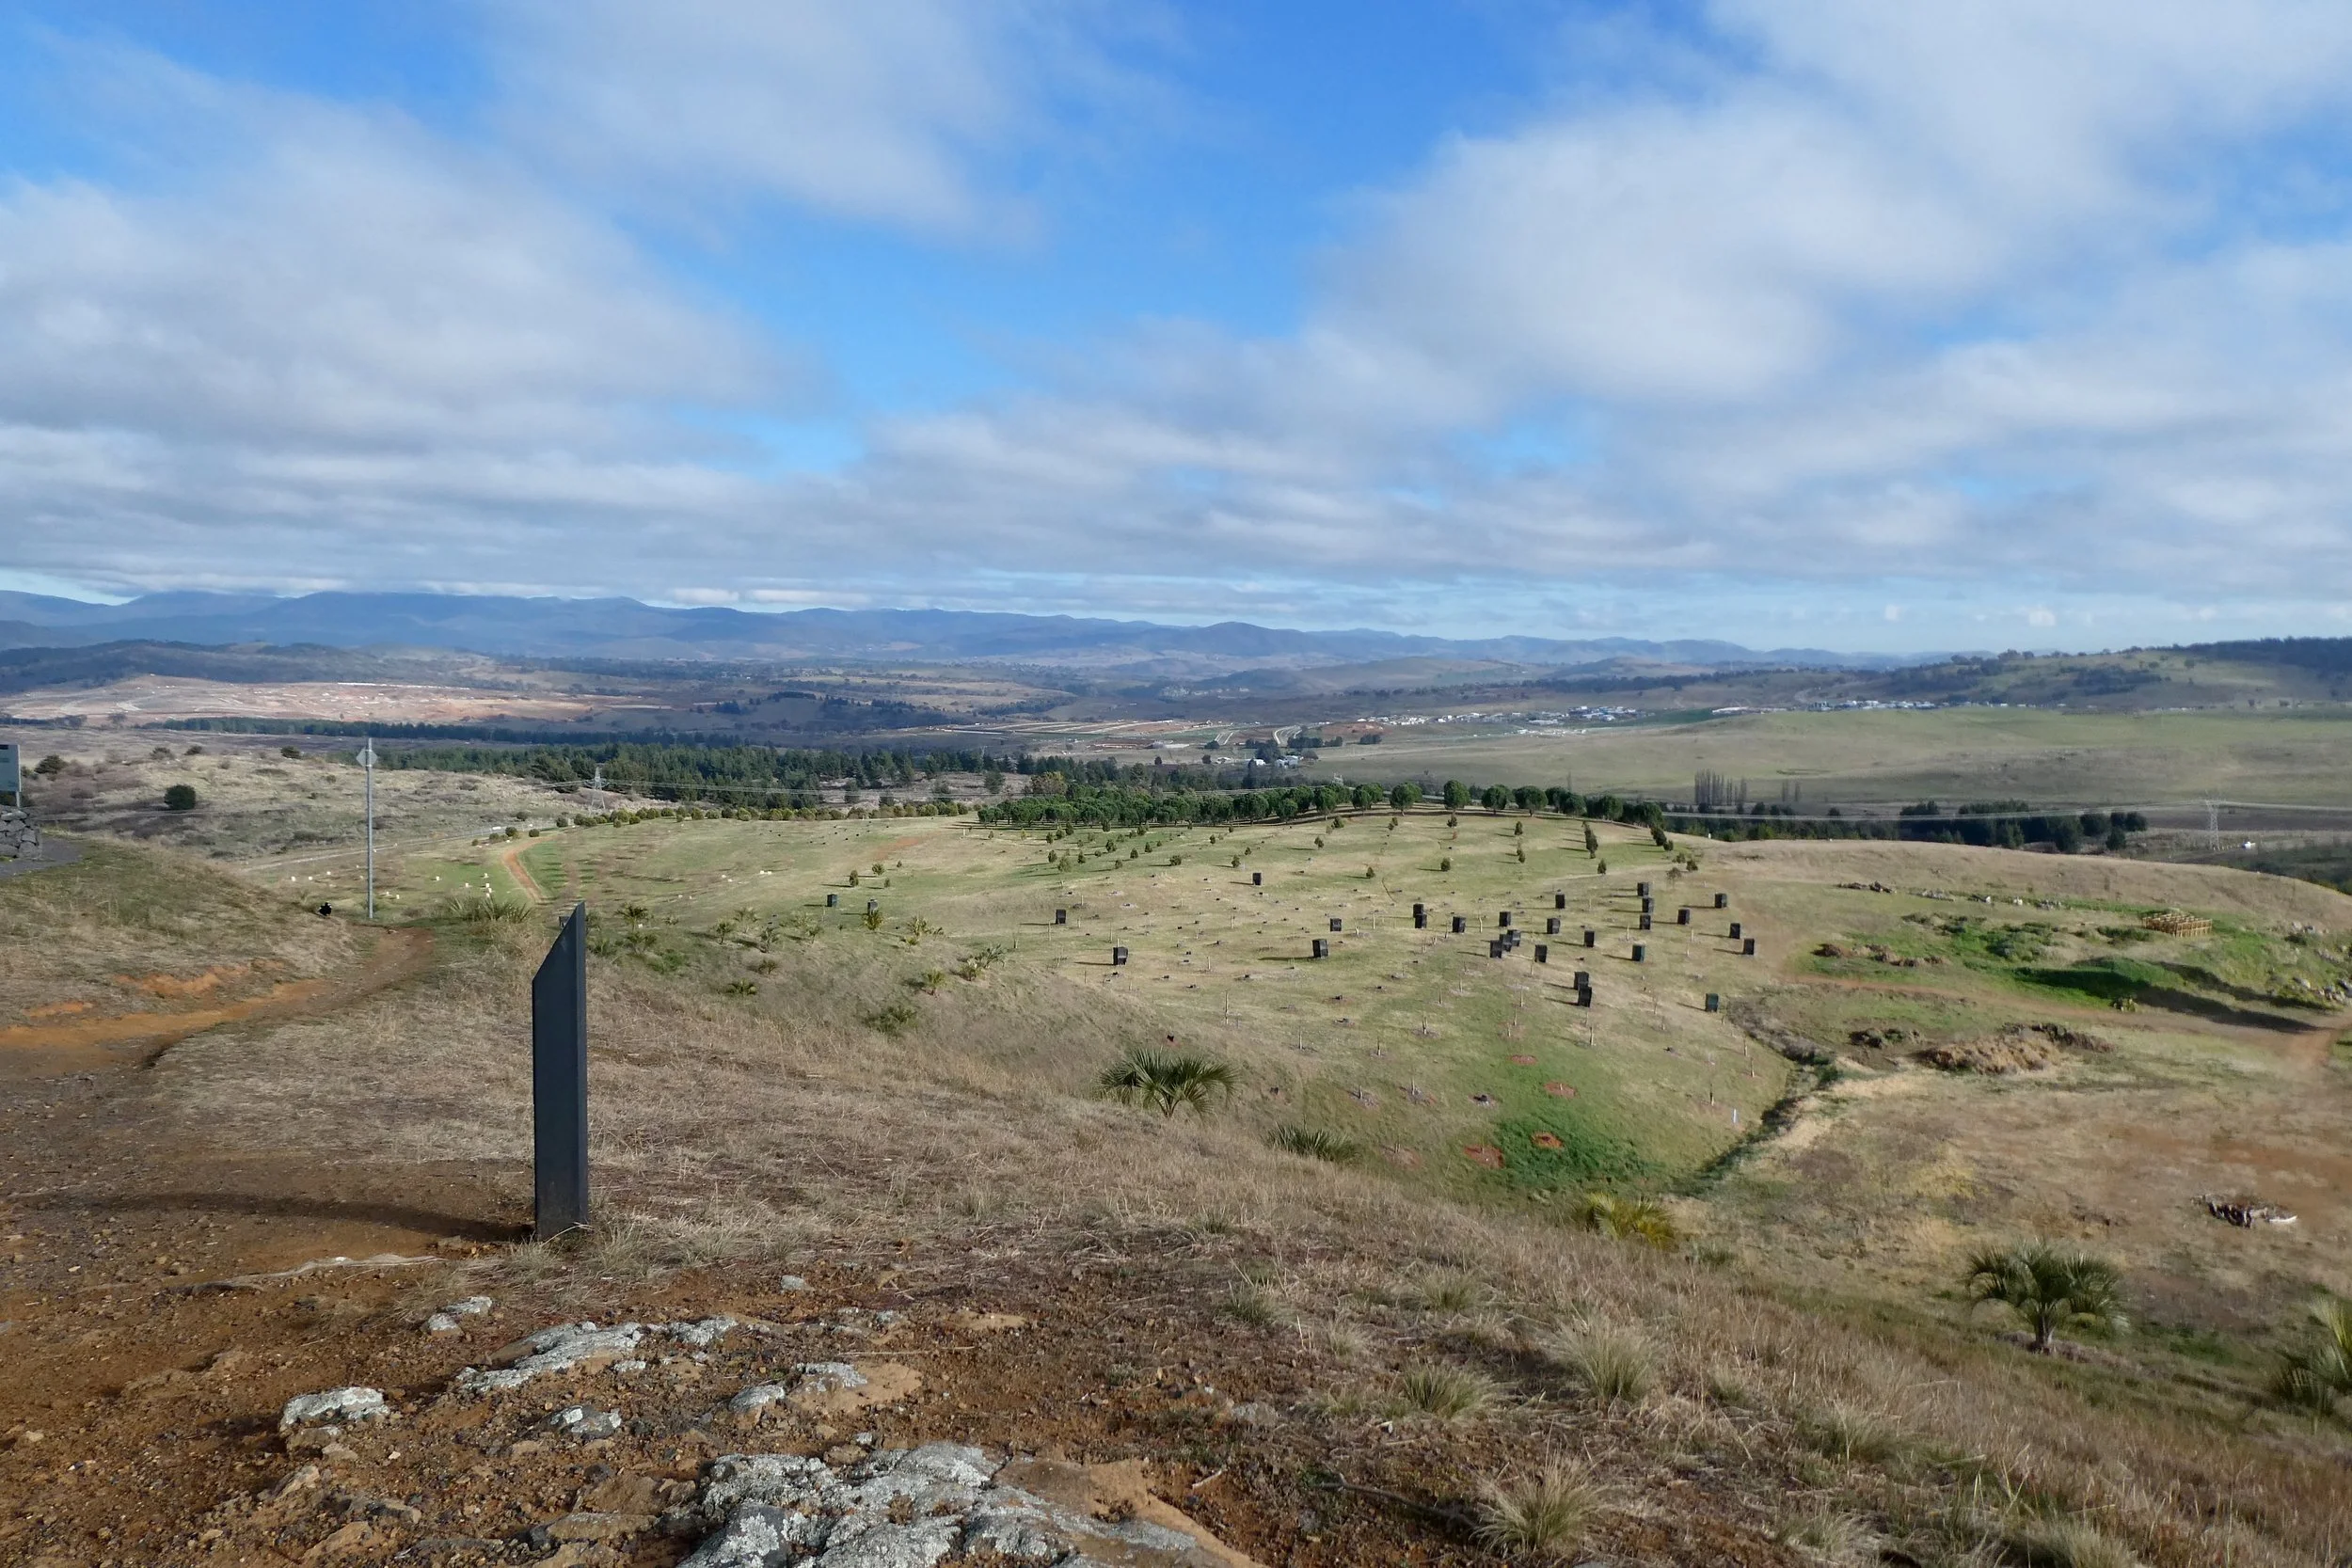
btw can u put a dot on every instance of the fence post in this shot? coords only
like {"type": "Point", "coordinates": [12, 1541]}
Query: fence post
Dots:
{"type": "Point", "coordinates": [559, 1083]}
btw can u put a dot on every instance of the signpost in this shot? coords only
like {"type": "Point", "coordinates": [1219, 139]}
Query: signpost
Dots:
{"type": "Point", "coordinates": [559, 1083]}
{"type": "Point", "coordinates": [367, 764]}
{"type": "Point", "coordinates": [12, 776]}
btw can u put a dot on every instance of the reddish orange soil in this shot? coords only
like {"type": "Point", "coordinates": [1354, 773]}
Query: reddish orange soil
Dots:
{"type": "Point", "coordinates": [124, 1040]}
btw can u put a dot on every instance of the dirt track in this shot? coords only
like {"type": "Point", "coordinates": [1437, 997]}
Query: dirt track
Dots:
{"type": "Point", "coordinates": [130, 1039]}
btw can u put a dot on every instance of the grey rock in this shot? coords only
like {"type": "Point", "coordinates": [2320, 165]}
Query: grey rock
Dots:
{"type": "Point", "coordinates": [553, 1350]}
{"type": "Point", "coordinates": [333, 1404]}
{"type": "Point", "coordinates": [865, 1542]}
{"type": "Point", "coordinates": [441, 1323]}
{"type": "Point", "coordinates": [902, 1508]}
{"type": "Point", "coordinates": [586, 1423]}
{"type": "Point", "coordinates": [704, 1331]}
{"type": "Point", "coordinates": [758, 1536]}
{"type": "Point", "coordinates": [827, 1377]}
{"type": "Point", "coordinates": [779, 1479]}
{"type": "Point", "coordinates": [759, 1396]}
{"type": "Point", "coordinates": [472, 1306]}
{"type": "Point", "coordinates": [1016, 1533]}
{"type": "Point", "coordinates": [790, 1283]}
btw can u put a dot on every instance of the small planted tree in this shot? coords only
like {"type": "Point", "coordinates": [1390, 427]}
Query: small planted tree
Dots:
{"type": "Point", "coordinates": [2050, 1289]}
{"type": "Point", "coordinates": [1167, 1082]}
{"type": "Point", "coordinates": [179, 797]}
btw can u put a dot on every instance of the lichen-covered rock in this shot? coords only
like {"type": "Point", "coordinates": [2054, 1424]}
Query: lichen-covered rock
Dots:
{"type": "Point", "coordinates": [560, 1349]}
{"type": "Point", "coordinates": [701, 1333]}
{"type": "Point", "coordinates": [586, 1423]}
{"type": "Point", "coordinates": [781, 1479]}
{"type": "Point", "coordinates": [1018, 1531]}
{"type": "Point", "coordinates": [913, 1508]}
{"type": "Point", "coordinates": [568, 1347]}
{"type": "Point", "coordinates": [759, 1536]}
{"type": "Point", "coordinates": [333, 1404]}
{"type": "Point", "coordinates": [759, 1397]}
{"type": "Point", "coordinates": [864, 1541]}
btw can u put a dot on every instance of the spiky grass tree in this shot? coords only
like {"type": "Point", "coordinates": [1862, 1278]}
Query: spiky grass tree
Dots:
{"type": "Point", "coordinates": [2049, 1289]}
{"type": "Point", "coordinates": [1167, 1082]}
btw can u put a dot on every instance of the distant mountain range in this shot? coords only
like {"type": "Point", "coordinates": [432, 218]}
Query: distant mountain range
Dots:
{"type": "Point", "coordinates": [626, 630]}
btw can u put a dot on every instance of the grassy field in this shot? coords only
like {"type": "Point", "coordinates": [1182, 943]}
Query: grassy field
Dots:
{"type": "Point", "coordinates": [254, 805]}
{"type": "Point", "coordinates": [1413, 1048]}
{"type": "Point", "coordinates": [778, 1080]}
{"type": "Point", "coordinates": [1889, 756]}
{"type": "Point", "coordinates": [1459, 1075]}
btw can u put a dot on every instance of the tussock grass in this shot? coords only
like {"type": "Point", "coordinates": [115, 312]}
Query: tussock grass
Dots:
{"type": "Point", "coordinates": [1541, 1518]}
{"type": "Point", "coordinates": [1612, 1365]}
{"type": "Point", "coordinates": [1451, 1290]}
{"type": "Point", "coordinates": [2069, 1544]}
{"type": "Point", "coordinates": [1828, 1534]}
{"type": "Point", "coordinates": [1848, 1431]}
{"type": "Point", "coordinates": [1316, 1144]}
{"type": "Point", "coordinates": [1256, 1306]}
{"type": "Point", "coordinates": [1444, 1392]}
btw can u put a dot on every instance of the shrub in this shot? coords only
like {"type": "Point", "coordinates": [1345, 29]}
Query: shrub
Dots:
{"type": "Point", "coordinates": [1543, 1516]}
{"type": "Point", "coordinates": [179, 797]}
{"type": "Point", "coordinates": [743, 988]}
{"type": "Point", "coordinates": [1446, 1393]}
{"type": "Point", "coordinates": [1167, 1082]}
{"type": "Point", "coordinates": [873, 919]}
{"type": "Point", "coordinates": [291, 754]}
{"type": "Point", "coordinates": [1446, 863]}
{"type": "Point", "coordinates": [50, 766]}
{"type": "Point", "coordinates": [1316, 1144]}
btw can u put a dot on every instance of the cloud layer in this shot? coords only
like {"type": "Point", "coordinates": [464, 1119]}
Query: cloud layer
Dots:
{"type": "Point", "coordinates": [1919, 316]}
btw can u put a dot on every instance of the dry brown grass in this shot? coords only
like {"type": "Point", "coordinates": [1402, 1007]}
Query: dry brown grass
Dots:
{"type": "Point", "coordinates": [90, 933]}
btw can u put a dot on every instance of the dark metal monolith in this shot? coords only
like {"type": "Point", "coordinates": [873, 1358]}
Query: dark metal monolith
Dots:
{"type": "Point", "coordinates": [559, 1083]}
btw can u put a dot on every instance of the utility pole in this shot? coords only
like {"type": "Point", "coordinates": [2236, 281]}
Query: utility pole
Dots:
{"type": "Point", "coordinates": [367, 764]}
{"type": "Point", "coordinates": [2213, 824]}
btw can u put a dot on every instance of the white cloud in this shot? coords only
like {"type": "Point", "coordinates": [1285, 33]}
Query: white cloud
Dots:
{"type": "Point", "coordinates": [896, 111]}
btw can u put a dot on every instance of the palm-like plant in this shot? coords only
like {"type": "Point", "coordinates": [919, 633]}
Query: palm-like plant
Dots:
{"type": "Point", "coordinates": [2049, 1289]}
{"type": "Point", "coordinates": [2315, 1377]}
{"type": "Point", "coordinates": [1167, 1082]}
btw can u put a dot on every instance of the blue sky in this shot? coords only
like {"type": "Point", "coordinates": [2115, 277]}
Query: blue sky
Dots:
{"type": "Point", "coordinates": [1809, 322]}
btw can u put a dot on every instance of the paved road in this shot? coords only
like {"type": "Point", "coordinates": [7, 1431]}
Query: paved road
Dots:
{"type": "Point", "coordinates": [53, 851]}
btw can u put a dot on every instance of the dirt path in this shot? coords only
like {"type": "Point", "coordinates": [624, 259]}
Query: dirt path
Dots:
{"type": "Point", "coordinates": [128, 1039]}
{"type": "Point", "coordinates": [513, 860]}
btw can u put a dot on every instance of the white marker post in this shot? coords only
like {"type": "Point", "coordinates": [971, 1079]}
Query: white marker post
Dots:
{"type": "Point", "coordinates": [367, 763]}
